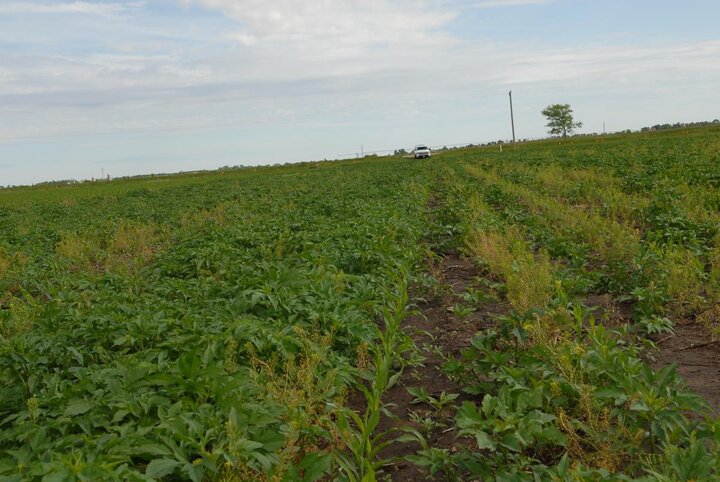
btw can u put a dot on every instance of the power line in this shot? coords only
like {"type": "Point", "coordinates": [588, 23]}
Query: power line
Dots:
{"type": "Point", "coordinates": [512, 120]}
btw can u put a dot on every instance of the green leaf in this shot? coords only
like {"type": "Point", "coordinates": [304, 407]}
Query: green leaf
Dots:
{"type": "Point", "coordinates": [119, 415]}
{"type": "Point", "coordinates": [563, 466]}
{"type": "Point", "coordinates": [553, 435]}
{"type": "Point", "coordinates": [484, 441]}
{"type": "Point", "coordinates": [692, 464]}
{"type": "Point", "coordinates": [419, 393]}
{"type": "Point", "coordinates": [161, 467]}
{"type": "Point", "coordinates": [150, 449]}
{"type": "Point", "coordinates": [512, 441]}
{"type": "Point", "coordinates": [639, 406]}
{"type": "Point", "coordinates": [78, 407]}
{"type": "Point", "coordinates": [609, 392]}
{"type": "Point", "coordinates": [369, 477]}
{"type": "Point", "coordinates": [189, 364]}
{"type": "Point", "coordinates": [194, 472]}
{"type": "Point", "coordinates": [316, 465]}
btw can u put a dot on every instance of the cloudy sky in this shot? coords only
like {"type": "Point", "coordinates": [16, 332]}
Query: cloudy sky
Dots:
{"type": "Point", "coordinates": [129, 87]}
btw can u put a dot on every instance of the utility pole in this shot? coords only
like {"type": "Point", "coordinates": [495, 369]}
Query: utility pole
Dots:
{"type": "Point", "coordinates": [512, 119]}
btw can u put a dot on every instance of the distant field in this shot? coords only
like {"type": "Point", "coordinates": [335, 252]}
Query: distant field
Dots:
{"type": "Point", "coordinates": [255, 324]}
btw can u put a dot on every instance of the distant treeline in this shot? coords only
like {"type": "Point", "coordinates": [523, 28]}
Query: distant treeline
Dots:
{"type": "Point", "coordinates": [678, 125]}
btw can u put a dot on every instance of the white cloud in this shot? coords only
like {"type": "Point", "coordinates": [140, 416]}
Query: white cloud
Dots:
{"type": "Point", "coordinates": [116, 93]}
{"type": "Point", "coordinates": [79, 7]}
{"type": "Point", "coordinates": [243, 38]}
{"type": "Point", "coordinates": [508, 3]}
{"type": "Point", "coordinates": [345, 26]}
{"type": "Point", "coordinates": [615, 65]}
{"type": "Point", "coordinates": [298, 62]}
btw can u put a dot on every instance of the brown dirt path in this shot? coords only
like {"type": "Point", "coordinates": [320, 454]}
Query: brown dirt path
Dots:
{"type": "Point", "coordinates": [435, 326]}
{"type": "Point", "coordinates": [697, 357]}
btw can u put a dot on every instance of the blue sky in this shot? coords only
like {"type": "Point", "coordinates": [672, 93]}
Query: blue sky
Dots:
{"type": "Point", "coordinates": [129, 87]}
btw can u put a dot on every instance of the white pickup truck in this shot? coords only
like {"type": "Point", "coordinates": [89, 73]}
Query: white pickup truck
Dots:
{"type": "Point", "coordinates": [421, 151]}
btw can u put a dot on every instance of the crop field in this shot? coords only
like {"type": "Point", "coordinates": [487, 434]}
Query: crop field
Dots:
{"type": "Point", "coordinates": [544, 313]}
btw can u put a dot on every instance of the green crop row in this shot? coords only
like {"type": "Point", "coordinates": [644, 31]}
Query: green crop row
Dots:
{"type": "Point", "coordinates": [558, 391]}
{"type": "Point", "coordinates": [197, 330]}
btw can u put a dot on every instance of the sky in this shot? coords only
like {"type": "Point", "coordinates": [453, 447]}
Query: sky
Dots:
{"type": "Point", "coordinates": [125, 87]}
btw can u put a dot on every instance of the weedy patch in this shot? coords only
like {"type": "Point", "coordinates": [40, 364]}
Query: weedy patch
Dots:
{"type": "Point", "coordinates": [220, 215]}
{"type": "Point", "coordinates": [132, 246]}
{"type": "Point", "coordinates": [710, 318]}
{"type": "Point", "coordinates": [685, 284]}
{"type": "Point", "coordinates": [528, 276]}
{"type": "Point", "coordinates": [5, 262]}
{"type": "Point", "coordinates": [307, 385]}
{"type": "Point", "coordinates": [713, 283]}
{"type": "Point", "coordinates": [83, 251]}
{"type": "Point", "coordinates": [122, 249]}
{"type": "Point", "coordinates": [18, 317]}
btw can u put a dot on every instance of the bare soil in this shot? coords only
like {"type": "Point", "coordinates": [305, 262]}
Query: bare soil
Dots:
{"type": "Point", "coordinates": [436, 327]}
{"type": "Point", "coordinates": [697, 357]}
{"type": "Point", "coordinates": [604, 308]}
{"type": "Point", "coordinates": [692, 348]}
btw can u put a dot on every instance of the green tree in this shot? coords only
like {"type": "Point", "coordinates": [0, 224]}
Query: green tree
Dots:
{"type": "Point", "coordinates": [560, 119]}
